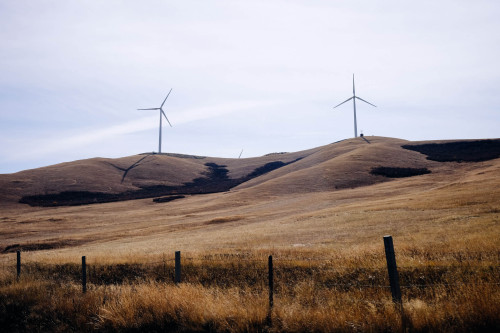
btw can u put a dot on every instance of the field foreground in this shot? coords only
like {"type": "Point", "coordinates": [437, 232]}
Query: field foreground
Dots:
{"type": "Point", "coordinates": [322, 218]}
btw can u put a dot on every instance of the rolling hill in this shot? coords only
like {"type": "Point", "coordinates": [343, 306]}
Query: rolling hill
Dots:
{"type": "Point", "coordinates": [341, 165]}
{"type": "Point", "coordinates": [314, 197]}
{"type": "Point", "coordinates": [321, 213]}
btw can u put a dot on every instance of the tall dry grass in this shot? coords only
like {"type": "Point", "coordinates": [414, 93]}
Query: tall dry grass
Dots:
{"type": "Point", "coordinates": [227, 292]}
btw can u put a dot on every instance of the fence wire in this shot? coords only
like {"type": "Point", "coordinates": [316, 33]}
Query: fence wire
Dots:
{"type": "Point", "coordinates": [319, 270]}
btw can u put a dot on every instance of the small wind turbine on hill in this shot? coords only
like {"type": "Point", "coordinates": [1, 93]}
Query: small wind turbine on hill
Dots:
{"type": "Point", "coordinates": [354, 104]}
{"type": "Point", "coordinates": [162, 113]}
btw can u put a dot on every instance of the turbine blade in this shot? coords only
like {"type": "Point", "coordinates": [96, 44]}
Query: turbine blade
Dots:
{"type": "Point", "coordinates": [166, 98]}
{"type": "Point", "coordinates": [365, 101]}
{"type": "Point", "coordinates": [353, 90]}
{"type": "Point", "coordinates": [150, 109]}
{"type": "Point", "coordinates": [347, 100]}
{"type": "Point", "coordinates": [166, 117]}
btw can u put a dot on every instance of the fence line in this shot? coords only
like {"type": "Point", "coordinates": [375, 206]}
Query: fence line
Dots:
{"type": "Point", "coordinates": [394, 284]}
{"type": "Point", "coordinates": [390, 258]}
{"type": "Point", "coordinates": [264, 260]}
{"type": "Point", "coordinates": [335, 268]}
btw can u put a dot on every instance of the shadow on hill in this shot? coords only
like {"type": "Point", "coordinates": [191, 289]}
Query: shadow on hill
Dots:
{"type": "Point", "coordinates": [126, 171]}
{"type": "Point", "coordinates": [462, 151]}
{"type": "Point", "coordinates": [215, 180]}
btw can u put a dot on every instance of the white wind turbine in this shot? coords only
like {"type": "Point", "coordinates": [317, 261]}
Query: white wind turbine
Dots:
{"type": "Point", "coordinates": [354, 104]}
{"type": "Point", "coordinates": [161, 113]}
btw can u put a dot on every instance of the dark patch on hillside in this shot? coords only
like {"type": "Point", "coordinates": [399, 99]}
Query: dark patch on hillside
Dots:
{"type": "Point", "coordinates": [168, 199]}
{"type": "Point", "coordinates": [462, 151]}
{"type": "Point", "coordinates": [265, 169]}
{"type": "Point", "coordinates": [215, 180]}
{"type": "Point", "coordinates": [69, 198]}
{"type": "Point", "coordinates": [392, 172]}
{"type": "Point", "coordinates": [40, 246]}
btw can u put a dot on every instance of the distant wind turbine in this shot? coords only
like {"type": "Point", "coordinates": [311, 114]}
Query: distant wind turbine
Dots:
{"type": "Point", "coordinates": [354, 104]}
{"type": "Point", "coordinates": [161, 113]}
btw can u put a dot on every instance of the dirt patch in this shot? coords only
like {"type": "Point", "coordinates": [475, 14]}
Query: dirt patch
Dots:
{"type": "Point", "coordinates": [461, 151]}
{"type": "Point", "coordinates": [393, 172]}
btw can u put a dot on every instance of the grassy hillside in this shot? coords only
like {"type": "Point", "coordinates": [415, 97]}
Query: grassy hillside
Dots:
{"type": "Point", "coordinates": [330, 188]}
{"type": "Point", "coordinates": [336, 166]}
{"type": "Point", "coordinates": [322, 217]}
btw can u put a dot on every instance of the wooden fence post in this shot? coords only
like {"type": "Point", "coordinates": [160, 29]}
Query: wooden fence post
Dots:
{"type": "Point", "coordinates": [270, 279]}
{"type": "Point", "coordinates": [271, 283]}
{"type": "Point", "coordinates": [390, 256]}
{"type": "Point", "coordinates": [84, 275]}
{"type": "Point", "coordinates": [177, 277]}
{"type": "Point", "coordinates": [392, 269]}
{"type": "Point", "coordinates": [18, 266]}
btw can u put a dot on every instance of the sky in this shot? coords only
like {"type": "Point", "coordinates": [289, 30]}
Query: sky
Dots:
{"type": "Point", "coordinates": [260, 76]}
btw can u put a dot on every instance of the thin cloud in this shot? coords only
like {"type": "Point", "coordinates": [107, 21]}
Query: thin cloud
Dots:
{"type": "Point", "coordinates": [68, 141]}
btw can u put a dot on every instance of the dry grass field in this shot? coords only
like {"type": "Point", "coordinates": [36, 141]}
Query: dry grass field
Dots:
{"type": "Point", "coordinates": [322, 216]}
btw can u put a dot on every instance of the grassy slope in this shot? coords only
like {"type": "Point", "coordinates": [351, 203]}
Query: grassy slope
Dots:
{"type": "Point", "coordinates": [446, 228]}
{"type": "Point", "coordinates": [307, 203]}
{"type": "Point", "coordinates": [122, 174]}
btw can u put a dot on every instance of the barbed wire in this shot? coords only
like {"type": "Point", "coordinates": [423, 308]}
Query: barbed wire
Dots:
{"type": "Point", "coordinates": [261, 262]}
{"type": "Point", "coordinates": [479, 256]}
{"type": "Point", "coordinates": [235, 261]}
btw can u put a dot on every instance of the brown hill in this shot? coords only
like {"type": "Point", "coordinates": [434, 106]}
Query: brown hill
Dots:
{"type": "Point", "coordinates": [327, 196]}
{"type": "Point", "coordinates": [346, 164]}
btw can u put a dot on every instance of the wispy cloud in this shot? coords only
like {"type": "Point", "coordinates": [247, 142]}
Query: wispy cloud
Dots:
{"type": "Point", "coordinates": [68, 141]}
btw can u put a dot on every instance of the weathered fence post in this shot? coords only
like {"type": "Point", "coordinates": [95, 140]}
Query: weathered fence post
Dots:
{"type": "Point", "coordinates": [392, 269]}
{"type": "Point", "coordinates": [271, 283]}
{"type": "Point", "coordinates": [270, 279]}
{"type": "Point", "coordinates": [84, 275]}
{"type": "Point", "coordinates": [18, 266]}
{"type": "Point", "coordinates": [177, 277]}
{"type": "Point", "coordinates": [390, 256]}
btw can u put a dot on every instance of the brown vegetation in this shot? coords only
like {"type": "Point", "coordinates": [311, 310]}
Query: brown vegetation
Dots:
{"type": "Point", "coordinates": [322, 227]}
{"type": "Point", "coordinates": [442, 291]}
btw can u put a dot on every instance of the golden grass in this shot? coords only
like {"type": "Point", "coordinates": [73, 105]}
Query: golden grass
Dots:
{"type": "Point", "coordinates": [227, 292]}
{"type": "Point", "coordinates": [330, 272]}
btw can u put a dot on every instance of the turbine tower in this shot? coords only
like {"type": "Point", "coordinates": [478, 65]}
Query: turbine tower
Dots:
{"type": "Point", "coordinates": [162, 113]}
{"type": "Point", "coordinates": [354, 104]}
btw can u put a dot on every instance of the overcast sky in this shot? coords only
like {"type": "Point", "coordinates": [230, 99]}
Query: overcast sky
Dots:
{"type": "Point", "coordinates": [261, 76]}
